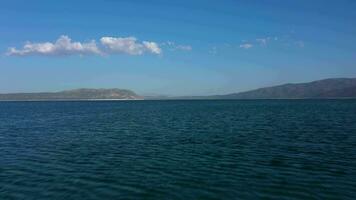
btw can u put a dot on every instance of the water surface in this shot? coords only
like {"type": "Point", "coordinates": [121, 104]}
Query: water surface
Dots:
{"type": "Point", "coordinates": [270, 149]}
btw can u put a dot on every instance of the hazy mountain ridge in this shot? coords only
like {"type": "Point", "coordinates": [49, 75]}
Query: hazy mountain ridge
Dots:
{"type": "Point", "coordinates": [326, 88]}
{"type": "Point", "coordinates": [77, 94]}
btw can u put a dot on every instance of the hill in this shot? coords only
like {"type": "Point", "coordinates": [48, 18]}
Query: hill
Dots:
{"type": "Point", "coordinates": [78, 94]}
{"type": "Point", "coordinates": [327, 88]}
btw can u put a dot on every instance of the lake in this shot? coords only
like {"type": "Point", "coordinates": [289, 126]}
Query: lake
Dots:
{"type": "Point", "coordinates": [199, 149]}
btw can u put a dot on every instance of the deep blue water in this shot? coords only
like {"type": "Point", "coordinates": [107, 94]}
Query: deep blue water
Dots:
{"type": "Point", "coordinates": [270, 149]}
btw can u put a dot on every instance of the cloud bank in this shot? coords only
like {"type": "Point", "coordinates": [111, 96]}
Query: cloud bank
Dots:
{"type": "Point", "coordinates": [129, 45]}
{"type": "Point", "coordinates": [64, 46]}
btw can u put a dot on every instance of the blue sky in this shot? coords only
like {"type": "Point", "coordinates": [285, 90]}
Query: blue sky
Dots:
{"type": "Point", "coordinates": [176, 47]}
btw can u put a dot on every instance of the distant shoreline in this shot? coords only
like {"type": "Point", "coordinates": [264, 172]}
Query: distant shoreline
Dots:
{"type": "Point", "coordinates": [333, 88]}
{"type": "Point", "coordinates": [71, 100]}
{"type": "Point", "coordinates": [105, 100]}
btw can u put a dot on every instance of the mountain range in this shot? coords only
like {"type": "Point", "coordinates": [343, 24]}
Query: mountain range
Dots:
{"type": "Point", "coordinates": [326, 88]}
{"type": "Point", "coordinates": [78, 94]}
{"type": "Point", "coordinates": [321, 89]}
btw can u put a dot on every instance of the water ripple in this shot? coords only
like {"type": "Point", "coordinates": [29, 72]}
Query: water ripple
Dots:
{"type": "Point", "coordinates": [263, 149]}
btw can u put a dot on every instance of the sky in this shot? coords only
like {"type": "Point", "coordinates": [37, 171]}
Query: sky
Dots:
{"type": "Point", "coordinates": [176, 47]}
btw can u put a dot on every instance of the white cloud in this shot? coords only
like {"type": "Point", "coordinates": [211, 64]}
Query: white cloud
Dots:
{"type": "Point", "coordinates": [169, 43]}
{"type": "Point", "coordinates": [152, 47]}
{"type": "Point", "coordinates": [276, 40]}
{"type": "Point", "coordinates": [129, 45]}
{"type": "Point", "coordinates": [246, 46]}
{"type": "Point", "coordinates": [63, 46]}
{"type": "Point", "coordinates": [173, 46]}
{"type": "Point", "coordinates": [184, 47]}
{"type": "Point", "coordinates": [263, 41]}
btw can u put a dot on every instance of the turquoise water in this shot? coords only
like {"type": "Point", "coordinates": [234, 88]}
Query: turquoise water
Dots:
{"type": "Point", "coordinates": [270, 149]}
